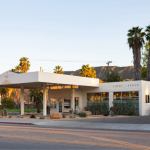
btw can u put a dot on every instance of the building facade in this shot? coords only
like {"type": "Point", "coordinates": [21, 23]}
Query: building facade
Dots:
{"type": "Point", "coordinates": [65, 92]}
{"type": "Point", "coordinates": [62, 100]}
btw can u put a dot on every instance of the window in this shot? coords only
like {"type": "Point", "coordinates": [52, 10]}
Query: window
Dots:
{"type": "Point", "coordinates": [117, 96]}
{"type": "Point", "coordinates": [147, 98]}
{"type": "Point", "coordinates": [53, 102]}
{"type": "Point", "coordinates": [134, 93]}
{"type": "Point", "coordinates": [134, 96]}
{"type": "Point", "coordinates": [125, 96]}
{"type": "Point", "coordinates": [90, 97]}
{"type": "Point", "coordinates": [97, 96]}
{"type": "Point", "coordinates": [105, 97]}
{"type": "Point", "coordinates": [67, 103]}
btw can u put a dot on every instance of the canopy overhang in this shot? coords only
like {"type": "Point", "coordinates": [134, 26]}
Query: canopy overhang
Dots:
{"type": "Point", "coordinates": [35, 80]}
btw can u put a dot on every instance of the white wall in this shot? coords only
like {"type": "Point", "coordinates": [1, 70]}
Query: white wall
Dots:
{"type": "Point", "coordinates": [145, 107]}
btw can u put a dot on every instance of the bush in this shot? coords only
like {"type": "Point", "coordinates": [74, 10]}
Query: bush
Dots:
{"type": "Point", "coordinates": [32, 116]}
{"type": "Point", "coordinates": [131, 113]}
{"type": "Point", "coordinates": [82, 114]}
{"type": "Point", "coordinates": [106, 113]}
{"type": "Point", "coordinates": [8, 103]}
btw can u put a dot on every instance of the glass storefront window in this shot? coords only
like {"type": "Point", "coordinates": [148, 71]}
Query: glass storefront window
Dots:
{"type": "Point", "coordinates": [90, 97]}
{"type": "Point", "coordinates": [134, 93]}
{"type": "Point", "coordinates": [125, 96]}
{"type": "Point", "coordinates": [97, 96]}
{"type": "Point", "coordinates": [135, 99]}
{"type": "Point", "coordinates": [105, 94]}
{"type": "Point", "coordinates": [105, 97]}
{"type": "Point", "coordinates": [117, 96]}
{"type": "Point", "coordinates": [53, 102]}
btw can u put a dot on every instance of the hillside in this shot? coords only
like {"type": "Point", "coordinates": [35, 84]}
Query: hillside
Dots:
{"type": "Point", "coordinates": [124, 72]}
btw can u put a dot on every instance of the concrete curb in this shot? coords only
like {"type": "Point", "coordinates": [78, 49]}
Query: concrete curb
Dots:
{"type": "Point", "coordinates": [17, 123]}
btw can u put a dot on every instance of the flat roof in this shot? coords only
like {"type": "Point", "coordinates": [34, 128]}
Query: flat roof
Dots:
{"type": "Point", "coordinates": [33, 80]}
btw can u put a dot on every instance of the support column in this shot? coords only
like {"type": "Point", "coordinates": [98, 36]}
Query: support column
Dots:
{"type": "Point", "coordinates": [44, 100]}
{"type": "Point", "coordinates": [111, 98]}
{"type": "Point", "coordinates": [22, 100]}
{"type": "Point", "coordinates": [72, 99]}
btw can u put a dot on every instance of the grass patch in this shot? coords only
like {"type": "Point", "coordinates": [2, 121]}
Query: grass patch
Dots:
{"type": "Point", "coordinates": [18, 110]}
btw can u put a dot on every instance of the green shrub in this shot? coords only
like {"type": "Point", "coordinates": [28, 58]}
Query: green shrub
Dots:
{"type": "Point", "coordinates": [8, 103]}
{"type": "Point", "coordinates": [82, 114]}
{"type": "Point", "coordinates": [131, 113]}
{"type": "Point", "coordinates": [106, 113]}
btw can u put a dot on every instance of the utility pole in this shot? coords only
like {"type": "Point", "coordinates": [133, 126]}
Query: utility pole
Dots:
{"type": "Point", "coordinates": [108, 66]}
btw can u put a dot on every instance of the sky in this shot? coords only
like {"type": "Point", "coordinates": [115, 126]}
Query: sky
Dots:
{"type": "Point", "coordinates": [69, 33]}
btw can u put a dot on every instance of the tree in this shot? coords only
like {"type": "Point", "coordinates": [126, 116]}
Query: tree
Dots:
{"type": "Point", "coordinates": [8, 103]}
{"type": "Point", "coordinates": [58, 70]}
{"type": "Point", "coordinates": [87, 71]}
{"type": "Point", "coordinates": [113, 77]}
{"type": "Point", "coordinates": [23, 66]}
{"type": "Point", "coordinates": [15, 94]}
{"type": "Point", "coordinates": [136, 41]}
{"type": "Point", "coordinates": [145, 54]}
{"type": "Point", "coordinates": [144, 73]}
{"type": "Point", "coordinates": [148, 63]}
{"type": "Point", "coordinates": [38, 98]}
{"type": "Point", "coordinates": [3, 92]}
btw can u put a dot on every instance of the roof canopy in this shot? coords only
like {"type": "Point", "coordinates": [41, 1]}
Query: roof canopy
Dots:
{"type": "Point", "coordinates": [34, 80]}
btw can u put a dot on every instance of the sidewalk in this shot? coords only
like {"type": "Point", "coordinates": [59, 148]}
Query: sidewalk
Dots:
{"type": "Point", "coordinates": [81, 125]}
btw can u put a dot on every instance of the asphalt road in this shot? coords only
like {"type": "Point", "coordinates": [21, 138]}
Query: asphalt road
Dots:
{"type": "Point", "coordinates": [33, 137]}
{"type": "Point", "coordinates": [123, 120]}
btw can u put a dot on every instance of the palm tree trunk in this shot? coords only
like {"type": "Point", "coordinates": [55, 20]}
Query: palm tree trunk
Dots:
{"type": "Point", "coordinates": [137, 63]}
{"type": "Point", "coordinates": [38, 107]}
{"type": "Point", "coordinates": [148, 67]}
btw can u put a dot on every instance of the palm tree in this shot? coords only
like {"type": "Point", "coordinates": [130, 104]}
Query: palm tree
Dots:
{"type": "Point", "coordinates": [38, 97]}
{"type": "Point", "coordinates": [87, 71]}
{"type": "Point", "coordinates": [58, 70]}
{"type": "Point", "coordinates": [148, 64]}
{"type": "Point", "coordinates": [24, 64]}
{"type": "Point", "coordinates": [136, 41]}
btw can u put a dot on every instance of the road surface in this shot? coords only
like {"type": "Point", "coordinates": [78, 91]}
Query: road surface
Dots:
{"type": "Point", "coordinates": [33, 137]}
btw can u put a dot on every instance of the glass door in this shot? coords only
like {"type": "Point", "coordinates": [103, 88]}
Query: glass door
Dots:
{"type": "Point", "coordinates": [60, 105]}
{"type": "Point", "coordinates": [76, 102]}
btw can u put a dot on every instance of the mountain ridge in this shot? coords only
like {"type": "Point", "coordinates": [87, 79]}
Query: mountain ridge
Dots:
{"type": "Point", "coordinates": [126, 73]}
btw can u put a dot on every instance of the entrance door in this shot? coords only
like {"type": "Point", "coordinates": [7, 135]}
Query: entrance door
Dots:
{"type": "Point", "coordinates": [60, 105]}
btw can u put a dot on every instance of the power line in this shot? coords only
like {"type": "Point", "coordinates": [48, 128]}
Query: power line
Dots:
{"type": "Point", "coordinates": [56, 60]}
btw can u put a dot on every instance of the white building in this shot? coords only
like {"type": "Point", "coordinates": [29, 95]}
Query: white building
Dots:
{"type": "Point", "coordinates": [65, 92]}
